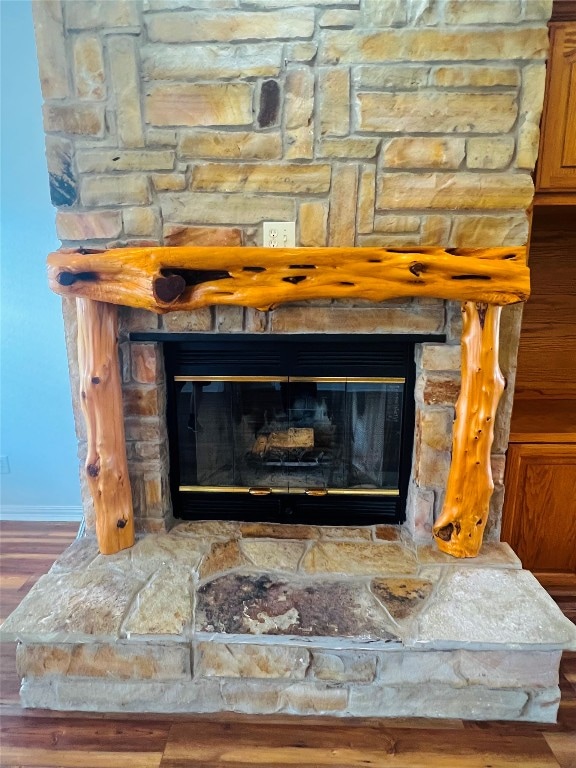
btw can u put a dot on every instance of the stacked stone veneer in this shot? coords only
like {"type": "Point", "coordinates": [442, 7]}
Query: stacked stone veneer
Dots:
{"type": "Point", "coordinates": [368, 122]}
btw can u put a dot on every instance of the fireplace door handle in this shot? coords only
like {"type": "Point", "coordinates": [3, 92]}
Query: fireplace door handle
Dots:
{"type": "Point", "coordinates": [260, 491]}
{"type": "Point", "coordinates": [316, 492]}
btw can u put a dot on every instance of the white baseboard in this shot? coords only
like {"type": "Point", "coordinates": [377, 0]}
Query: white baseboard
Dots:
{"type": "Point", "coordinates": [35, 514]}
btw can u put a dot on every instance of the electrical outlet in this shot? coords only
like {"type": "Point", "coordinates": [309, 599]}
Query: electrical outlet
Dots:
{"type": "Point", "coordinates": [279, 234]}
{"type": "Point", "coordinates": [4, 465]}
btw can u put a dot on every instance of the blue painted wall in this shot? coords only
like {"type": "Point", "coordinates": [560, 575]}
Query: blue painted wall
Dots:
{"type": "Point", "coordinates": [36, 431]}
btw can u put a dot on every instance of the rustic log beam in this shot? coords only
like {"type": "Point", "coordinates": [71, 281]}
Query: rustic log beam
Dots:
{"type": "Point", "coordinates": [163, 279]}
{"type": "Point", "coordinates": [101, 400]}
{"type": "Point", "coordinates": [460, 528]}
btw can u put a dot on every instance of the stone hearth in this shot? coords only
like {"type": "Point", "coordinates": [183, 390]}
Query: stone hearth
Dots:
{"type": "Point", "coordinates": [264, 618]}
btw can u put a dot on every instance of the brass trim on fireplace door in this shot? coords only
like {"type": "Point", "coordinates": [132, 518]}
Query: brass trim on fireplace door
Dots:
{"type": "Point", "coordinates": [278, 489]}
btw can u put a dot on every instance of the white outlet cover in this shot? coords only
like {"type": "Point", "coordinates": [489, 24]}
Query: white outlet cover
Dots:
{"type": "Point", "coordinates": [279, 234]}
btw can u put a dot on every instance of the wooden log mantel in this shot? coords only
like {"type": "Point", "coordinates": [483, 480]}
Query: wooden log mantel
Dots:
{"type": "Point", "coordinates": [165, 279]}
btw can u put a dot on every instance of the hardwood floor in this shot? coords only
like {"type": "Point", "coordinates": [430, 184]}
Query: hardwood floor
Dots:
{"type": "Point", "coordinates": [62, 740]}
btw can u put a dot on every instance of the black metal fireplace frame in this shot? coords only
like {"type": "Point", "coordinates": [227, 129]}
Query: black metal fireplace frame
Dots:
{"type": "Point", "coordinates": [318, 355]}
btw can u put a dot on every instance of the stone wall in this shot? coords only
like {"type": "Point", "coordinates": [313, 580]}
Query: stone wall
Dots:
{"type": "Point", "coordinates": [367, 122]}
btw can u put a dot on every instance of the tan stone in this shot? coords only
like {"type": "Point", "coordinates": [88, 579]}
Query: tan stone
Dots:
{"type": "Point", "coordinates": [188, 322]}
{"type": "Point", "coordinates": [232, 177]}
{"type": "Point", "coordinates": [436, 112]}
{"type": "Point", "coordinates": [141, 222]}
{"type": "Point", "coordinates": [193, 27]}
{"type": "Point", "coordinates": [489, 152]}
{"type": "Point", "coordinates": [532, 98]}
{"type": "Point", "coordinates": [435, 429]}
{"type": "Point", "coordinates": [396, 223]}
{"type": "Point", "coordinates": [202, 208]}
{"type": "Point", "coordinates": [255, 321]}
{"type": "Point", "coordinates": [299, 97]}
{"type": "Point", "coordinates": [458, 191]}
{"type": "Point", "coordinates": [498, 466]}
{"type": "Point", "coordinates": [229, 319]}
{"type": "Point", "coordinates": [462, 76]}
{"type": "Point", "coordinates": [103, 160]}
{"type": "Point", "coordinates": [97, 14]}
{"type": "Point", "coordinates": [439, 357]}
{"type": "Point", "coordinates": [423, 44]}
{"type": "Point", "coordinates": [338, 17]}
{"type": "Point", "coordinates": [302, 51]}
{"type": "Point", "coordinates": [275, 555]}
{"type": "Point", "coordinates": [436, 231]}
{"type": "Point", "coordinates": [118, 661]}
{"type": "Point", "coordinates": [125, 79]}
{"type": "Point", "coordinates": [386, 13]}
{"type": "Point", "coordinates": [350, 147]}
{"type": "Point", "coordinates": [238, 145]}
{"type": "Point", "coordinates": [386, 532]}
{"type": "Point", "coordinates": [140, 401]}
{"type": "Point", "coordinates": [398, 76]}
{"type": "Point", "coordinates": [161, 137]}
{"type": "Point", "coordinates": [353, 320]}
{"type": "Point", "coordinates": [343, 199]}
{"type": "Point", "coordinates": [51, 48]}
{"type": "Point", "coordinates": [307, 699]}
{"type": "Point", "coordinates": [199, 104]}
{"type": "Point", "coordinates": [300, 143]}
{"type": "Point", "coordinates": [366, 199]}
{"type": "Point", "coordinates": [485, 12]}
{"type": "Point", "coordinates": [115, 190]}
{"type": "Point", "coordinates": [177, 234]}
{"type": "Point", "coordinates": [88, 226]}
{"type": "Point", "coordinates": [169, 182]}
{"type": "Point", "coordinates": [163, 606]}
{"type": "Point", "coordinates": [80, 119]}
{"type": "Point", "coordinates": [420, 513]}
{"type": "Point", "coordinates": [250, 661]}
{"type": "Point", "coordinates": [334, 105]}
{"type": "Point", "coordinates": [144, 359]}
{"type": "Point", "coordinates": [493, 554]}
{"type": "Point", "coordinates": [423, 152]}
{"type": "Point", "coordinates": [89, 76]}
{"type": "Point", "coordinates": [490, 231]}
{"type": "Point", "coordinates": [358, 558]}
{"type": "Point", "coordinates": [378, 240]}
{"type": "Point", "coordinates": [222, 557]}
{"type": "Point", "coordinates": [343, 667]}
{"type": "Point", "coordinates": [210, 62]}
{"type": "Point", "coordinates": [313, 218]}
{"type": "Point", "coordinates": [438, 389]}
{"type": "Point", "coordinates": [278, 531]}
{"type": "Point", "coordinates": [431, 467]}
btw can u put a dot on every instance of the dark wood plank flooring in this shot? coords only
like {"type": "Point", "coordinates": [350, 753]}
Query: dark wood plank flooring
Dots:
{"type": "Point", "coordinates": [66, 740]}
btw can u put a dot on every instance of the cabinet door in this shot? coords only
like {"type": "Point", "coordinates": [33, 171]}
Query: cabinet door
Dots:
{"type": "Point", "coordinates": [557, 162]}
{"type": "Point", "coordinates": [539, 518]}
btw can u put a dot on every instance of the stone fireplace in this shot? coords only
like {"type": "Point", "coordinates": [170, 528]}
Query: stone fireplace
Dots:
{"type": "Point", "coordinates": [369, 123]}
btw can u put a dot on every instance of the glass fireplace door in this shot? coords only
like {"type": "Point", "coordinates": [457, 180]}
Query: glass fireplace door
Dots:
{"type": "Point", "coordinates": [301, 435]}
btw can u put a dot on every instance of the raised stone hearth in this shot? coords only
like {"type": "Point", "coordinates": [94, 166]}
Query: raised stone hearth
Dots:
{"type": "Point", "coordinates": [263, 618]}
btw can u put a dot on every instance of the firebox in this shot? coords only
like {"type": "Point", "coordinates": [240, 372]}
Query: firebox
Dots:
{"type": "Point", "coordinates": [295, 428]}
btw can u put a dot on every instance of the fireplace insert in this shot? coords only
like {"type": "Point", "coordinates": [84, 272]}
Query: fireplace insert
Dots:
{"type": "Point", "coordinates": [293, 428]}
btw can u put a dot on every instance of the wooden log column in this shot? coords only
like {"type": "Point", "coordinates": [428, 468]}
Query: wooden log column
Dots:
{"type": "Point", "coordinates": [460, 528]}
{"type": "Point", "coordinates": [101, 400]}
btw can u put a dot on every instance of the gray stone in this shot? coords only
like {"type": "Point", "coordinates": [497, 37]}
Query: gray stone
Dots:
{"type": "Point", "coordinates": [493, 554]}
{"type": "Point", "coordinates": [509, 669]}
{"type": "Point", "coordinates": [343, 666]}
{"type": "Point", "coordinates": [419, 667]}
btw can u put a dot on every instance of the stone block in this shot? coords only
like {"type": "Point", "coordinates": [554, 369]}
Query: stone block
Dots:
{"type": "Point", "coordinates": [140, 401]}
{"type": "Point", "coordinates": [115, 190]}
{"type": "Point", "coordinates": [358, 558]}
{"type": "Point", "coordinates": [275, 555]}
{"type": "Point", "coordinates": [282, 3]}
{"type": "Point", "coordinates": [351, 147]}
{"type": "Point", "coordinates": [89, 76]}
{"type": "Point", "coordinates": [313, 218]}
{"type": "Point", "coordinates": [431, 466]}
{"type": "Point", "coordinates": [59, 158]}
{"type": "Point", "coordinates": [487, 12]}
{"type": "Point", "coordinates": [339, 17]}
{"type": "Point", "coordinates": [203, 208]}
{"type": "Point", "coordinates": [119, 661]}
{"type": "Point", "coordinates": [210, 62]}
{"type": "Point", "coordinates": [378, 240]}
{"type": "Point", "coordinates": [475, 76]}
{"type": "Point", "coordinates": [299, 144]}
{"type": "Point", "coordinates": [169, 182]}
{"type": "Point", "coordinates": [436, 112]}
{"type": "Point", "coordinates": [132, 319]}
{"type": "Point", "coordinates": [343, 200]}
{"type": "Point", "coordinates": [163, 606]}
{"type": "Point", "coordinates": [199, 104]}
{"type": "Point", "coordinates": [307, 699]}
{"type": "Point", "coordinates": [141, 222]}
{"type": "Point", "coordinates": [351, 320]}
{"type": "Point", "coordinates": [498, 465]}
{"type": "Point", "coordinates": [303, 51]}
{"type": "Point", "coordinates": [100, 14]}
{"type": "Point", "coordinates": [420, 667]}
{"type": "Point", "coordinates": [439, 357]}
{"type": "Point", "coordinates": [490, 231]}
{"type": "Point", "coordinates": [436, 231]}
{"type": "Point", "coordinates": [106, 160]}
{"type": "Point", "coordinates": [51, 49]}
{"type": "Point", "coordinates": [223, 556]}
{"type": "Point", "coordinates": [531, 101]}
{"type": "Point", "coordinates": [141, 429]}
{"type": "Point", "coordinates": [229, 319]}
{"type": "Point", "coordinates": [288, 178]}
{"type": "Point", "coordinates": [255, 321]}
{"type": "Point", "coordinates": [454, 190]}
{"type": "Point", "coordinates": [438, 389]}
{"type": "Point", "coordinates": [423, 152]}
{"type": "Point", "coordinates": [509, 669]}
{"type": "Point", "coordinates": [240, 145]}
{"type": "Point", "coordinates": [79, 119]}
{"type": "Point", "coordinates": [178, 234]}
{"type": "Point", "coordinates": [161, 137]}
{"type": "Point", "coordinates": [343, 667]}
{"type": "Point", "coordinates": [251, 697]}
{"type": "Point", "coordinates": [299, 97]}
{"type": "Point", "coordinates": [88, 226]}
{"type": "Point", "coordinates": [366, 199]}
{"type": "Point", "coordinates": [188, 322]}
{"type": "Point", "coordinates": [334, 104]}
{"type": "Point", "coordinates": [537, 10]}
{"type": "Point", "coordinates": [394, 223]}
{"type": "Point", "coordinates": [489, 153]}
{"type": "Point", "coordinates": [420, 512]}
{"type": "Point", "coordinates": [145, 362]}
{"type": "Point", "coordinates": [125, 78]}
{"type": "Point", "coordinates": [435, 429]}
{"type": "Point", "coordinates": [422, 44]}
{"type": "Point", "coordinates": [197, 27]}
{"type": "Point", "coordinates": [399, 77]}
{"type": "Point", "coordinates": [250, 661]}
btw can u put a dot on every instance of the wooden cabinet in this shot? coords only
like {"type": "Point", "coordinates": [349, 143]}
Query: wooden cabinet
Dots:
{"type": "Point", "coordinates": [556, 172]}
